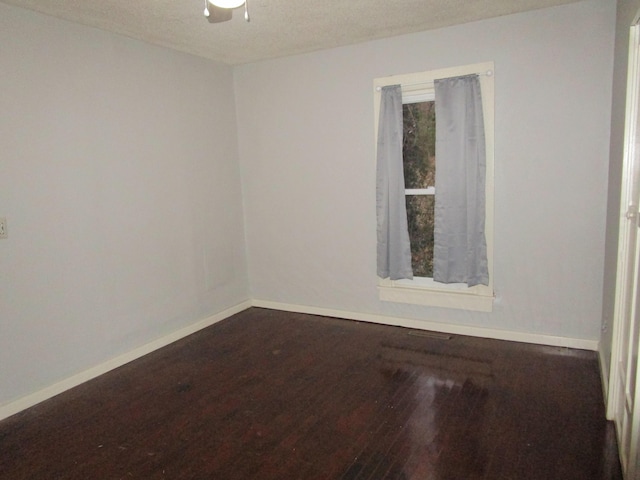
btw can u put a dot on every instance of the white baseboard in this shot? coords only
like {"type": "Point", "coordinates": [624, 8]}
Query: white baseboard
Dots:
{"type": "Point", "coordinates": [75, 380]}
{"type": "Point", "coordinates": [34, 398]}
{"type": "Point", "coordinates": [579, 343]}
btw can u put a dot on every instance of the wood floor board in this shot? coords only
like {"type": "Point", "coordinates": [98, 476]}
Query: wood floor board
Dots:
{"type": "Point", "coordinates": [271, 395]}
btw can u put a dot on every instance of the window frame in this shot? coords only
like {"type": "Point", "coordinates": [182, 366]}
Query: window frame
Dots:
{"type": "Point", "coordinates": [422, 290]}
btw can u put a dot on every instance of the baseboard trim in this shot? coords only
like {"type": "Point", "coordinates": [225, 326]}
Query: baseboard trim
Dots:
{"type": "Point", "coordinates": [578, 343]}
{"type": "Point", "coordinates": [41, 395]}
{"type": "Point", "coordinates": [86, 375]}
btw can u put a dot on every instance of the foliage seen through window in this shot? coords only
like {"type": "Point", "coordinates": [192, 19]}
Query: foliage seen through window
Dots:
{"type": "Point", "coordinates": [419, 122]}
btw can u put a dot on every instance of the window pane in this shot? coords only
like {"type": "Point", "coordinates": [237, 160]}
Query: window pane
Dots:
{"type": "Point", "coordinates": [420, 219]}
{"type": "Point", "coordinates": [419, 144]}
{"type": "Point", "coordinates": [419, 159]}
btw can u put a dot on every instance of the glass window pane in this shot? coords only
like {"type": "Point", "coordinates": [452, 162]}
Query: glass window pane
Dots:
{"type": "Point", "coordinates": [420, 213]}
{"type": "Point", "coordinates": [419, 144]}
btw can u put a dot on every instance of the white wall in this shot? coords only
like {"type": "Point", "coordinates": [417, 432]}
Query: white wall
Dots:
{"type": "Point", "coordinates": [306, 149]}
{"type": "Point", "coordinates": [119, 179]}
{"type": "Point", "coordinates": [626, 13]}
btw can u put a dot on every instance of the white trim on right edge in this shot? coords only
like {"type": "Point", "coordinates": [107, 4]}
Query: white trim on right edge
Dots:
{"type": "Point", "coordinates": [579, 343]}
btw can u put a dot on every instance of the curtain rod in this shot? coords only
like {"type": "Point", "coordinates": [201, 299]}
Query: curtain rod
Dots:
{"type": "Point", "coordinates": [488, 73]}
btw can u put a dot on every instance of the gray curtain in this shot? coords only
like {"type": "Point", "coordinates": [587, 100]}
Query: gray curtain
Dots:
{"type": "Point", "coordinates": [460, 247]}
{"type": "Point", "coordinates": [394, 250]}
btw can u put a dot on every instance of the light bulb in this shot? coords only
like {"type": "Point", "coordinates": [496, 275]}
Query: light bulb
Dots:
{"type": "Point", "coordinates": [227, 3]}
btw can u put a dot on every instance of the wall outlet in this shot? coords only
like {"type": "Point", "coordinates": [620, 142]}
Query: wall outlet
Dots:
{"type": "Point", "coordinates": [3, 227]}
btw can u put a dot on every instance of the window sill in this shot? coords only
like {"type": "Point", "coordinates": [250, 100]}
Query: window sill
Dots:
{"type": "Point", "coordinates": [446, 298]}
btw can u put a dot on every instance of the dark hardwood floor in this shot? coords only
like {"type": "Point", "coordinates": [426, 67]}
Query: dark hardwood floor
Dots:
{"type": "Point", "coordinates": [274, 395]}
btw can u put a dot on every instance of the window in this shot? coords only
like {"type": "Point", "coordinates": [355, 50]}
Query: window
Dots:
{"type": "Point", "coordinates": [419, 163]}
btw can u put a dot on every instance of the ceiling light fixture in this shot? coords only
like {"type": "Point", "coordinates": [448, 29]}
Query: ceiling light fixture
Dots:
{"type": "Point", "coordinates": [227, 3]}
{"type": "Point", "coordinates": [217, 11]}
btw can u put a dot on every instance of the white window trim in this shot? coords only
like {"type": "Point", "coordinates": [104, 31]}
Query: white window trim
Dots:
{"type": "Point", "coordinates": [424, 291]}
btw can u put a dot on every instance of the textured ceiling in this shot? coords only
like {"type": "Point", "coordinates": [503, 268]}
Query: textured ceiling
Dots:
{"type": "Point", "coordinates": [278, 27]}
